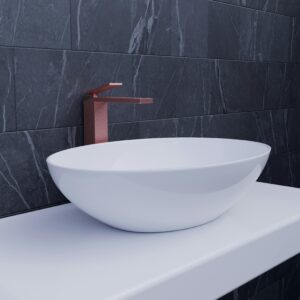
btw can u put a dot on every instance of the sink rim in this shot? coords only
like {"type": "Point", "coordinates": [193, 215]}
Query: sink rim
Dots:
{"type": "Point", "coordinates": [51, 159]}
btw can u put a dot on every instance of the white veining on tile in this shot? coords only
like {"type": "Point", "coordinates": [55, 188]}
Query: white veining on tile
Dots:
{"type": "Point", "coordinates": [66, 27]}
{"type": "Point", "coordinates": [273, 131]}
{"type": "Point", "coordinates": [166, 90]}
{"type": "Point", "coordinates": [218, 77]}
{"type": "Point", "coordinates": [180, 33]}
{"type": "Point", "coordinates": [4, 117]}
{"type": "Point", "coordinates": [255, 23]}
{"type": "Point", "coordinates": [135, 75]}
{"type": "Point", "coordinates": [266, 4]}
{"type": "Point", "coordinates": [40, 116]}
{"type": "Point", "coordinates": [36, 163]}
{"type": "Point", "coordinates": [293, 27]}
{"type": "Point", "coordinates": [78, 23]}
{"type": "Point", "coordinates": [71, 136]}
{"type": "Point", "coordinates": [61, 79]}
{"type": "Point", "coordinates": [14, 184]}
{"type": "Point", "coordinates": [144, 25]}
{"type": "Point", "coordinates": [20, 3]}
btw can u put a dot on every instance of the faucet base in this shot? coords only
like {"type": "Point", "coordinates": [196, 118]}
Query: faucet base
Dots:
{"type": "Point", "coordinates": [95, 128]}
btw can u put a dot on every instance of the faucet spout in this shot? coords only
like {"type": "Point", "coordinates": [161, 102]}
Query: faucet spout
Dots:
{"type": "Point", "coordinates": [95, 109]}
{"type": "Point", "coordinates": [129, 100]}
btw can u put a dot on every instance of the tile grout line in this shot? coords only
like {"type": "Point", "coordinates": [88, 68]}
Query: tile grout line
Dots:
{"type": "Point", "coordinates": [252, 8]}
{"type": "Point", "coordinates": [151, 55]}
{"type": "Point", "coordinates": [154, 120]}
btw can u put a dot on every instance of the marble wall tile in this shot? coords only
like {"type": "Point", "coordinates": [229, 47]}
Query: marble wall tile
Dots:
{"type": "Point", "coordinates": [225, 86]}
{"type": "Point", "coordinates": [25, 182]}
{"type": "Point", "coordinates": [35, 23]}
{"type": "Point", "coordinates": [291, 88]}
{"type": "Point", "coordinates": [156, 77]}
{"type": "Point", "coordinates": [278, 170]}
{"type": "Point", "coordinates": [143, 130]}
{"type": "Point", "coordinates": [294, 162]}
{"type": "Point", "coordinates": [295, 40]}
{"type": "Point", "coordinates": [285, 7]}
{"type": "Point", "coordinates": [8, 20]}
{"type": "Point", "coordinates": [123, 131]}
{"type": "Point", "coordinates": [230, 126]}
{"type": "Point", "coordinates": [130, 26]}
{"type": "Point", "coordinates": [291, 289]}
{"type": "Point", "coordinates": [7, 93]}
{"type": "Point", "coordinates": [264, 36]}
{"type": "Point", "coordinates": [271, 129]}
{"type": "Point", "coordinates": [190, 127]}
{"type": "Point", "coordinates": [241, 85]}
{"type": "Point", "coordinates": [191, 87]}
{"type": "Point", "coordinates": [264, 126]}
{"type": "Point", "coordinates": [292, 126]}
{"type": "Point", "coordinates": [180, 87]}
{"type": "Point", "coordinates": [278, 83]}
{"type": "Point", "coordinates": [239, 33]}
{"type": "Point", "coordinates": [223, 31]}
{"type": "Point", "coordinates": [50, 85]}
{"type": "Point", "coordinates": [158, 128]}
{"type": "Point", "coordinates": [189, 24]}
{"type": "Point", "coordinates": [197, 91]}
{"type": "Point", "coordinates": [161, 27]}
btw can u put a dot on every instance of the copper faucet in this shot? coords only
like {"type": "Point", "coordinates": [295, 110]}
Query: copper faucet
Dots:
{"type": "Point", "coordinates": [95, 109]}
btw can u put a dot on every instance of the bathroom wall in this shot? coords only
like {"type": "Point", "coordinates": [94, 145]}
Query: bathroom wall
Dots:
{"type": "Point", "coordinates": [215, 68]}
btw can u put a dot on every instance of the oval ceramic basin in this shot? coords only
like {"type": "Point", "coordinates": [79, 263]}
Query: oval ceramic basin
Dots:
{"type": "Point", "coordinates": [154, 185]}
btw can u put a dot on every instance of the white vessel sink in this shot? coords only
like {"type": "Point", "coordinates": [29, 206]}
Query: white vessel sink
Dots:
{"type": "Point", "coordinates": [154, 185]}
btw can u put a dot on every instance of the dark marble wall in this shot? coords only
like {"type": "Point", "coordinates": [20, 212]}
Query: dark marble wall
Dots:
{"type": "Point", "coordinates": [228, 68]}
{"type": "Point", "coordinates": [281, 283]}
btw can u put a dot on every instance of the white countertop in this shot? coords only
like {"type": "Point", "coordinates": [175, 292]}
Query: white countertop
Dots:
{"type": "Point", "coordinates": [62, 254]}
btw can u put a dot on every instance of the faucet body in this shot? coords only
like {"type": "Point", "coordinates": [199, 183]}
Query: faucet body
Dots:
{"type": "Point", "coordinates": [95, 109]}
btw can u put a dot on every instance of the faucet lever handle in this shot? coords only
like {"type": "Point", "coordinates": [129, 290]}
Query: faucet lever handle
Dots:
{"type": "Point", "coordinates": [103, 88]}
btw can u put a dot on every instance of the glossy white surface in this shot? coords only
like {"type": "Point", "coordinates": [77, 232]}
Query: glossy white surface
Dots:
{"type": "Point", "coordinates": [155, 185]}
{"type": "Point", "coordinates": [60, 253]}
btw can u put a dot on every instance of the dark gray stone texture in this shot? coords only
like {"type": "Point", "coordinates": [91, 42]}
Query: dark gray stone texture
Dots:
{"type": "Point", "coordinates": [7, 92]}
{"type": "Point", "coordinates": [35, 23]}
{"type": "Point", "coordinates": [283, 7]}
{"type": "Point", "coordinates": [247, 34]}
